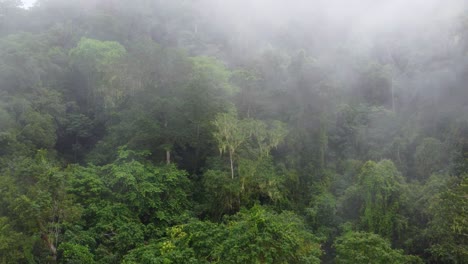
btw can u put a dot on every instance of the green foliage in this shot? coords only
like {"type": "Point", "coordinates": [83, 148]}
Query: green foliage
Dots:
{"type": "Point", "coordinates": [321, 214]}
{"type": "Point", "coordinates": [361, 247]}
{"type": "Point", "coordinates": [39, 129]}
{"type": "Point", "coordinates": [73, 253]}
{"type": "Point", "coordinates": [232, 133]}
{"type": "Point", "coordinates": [40, 204]}
{"type": "Point", "coordinates": [377, 85]}
{"type": "Point", "coordinates": [379, 185]}
{"type": "Point", "coordinates": [26, 63]}
{"type": "Point", "coordinates": [261, 236]}
{"type": "Point", "coordinates": [221, 192]}
{"type": "Point", "coordinates": [94, 58]}
{"type": "Point", "coordinates": [265, 237]}
{"type": "Point", "coordinates": [429, 157]}
{"type": "Point", "coordinates": [449, 225]}
{"type": "Point", "coordinates": [193, 242]}
{"type": "Point", "coordinates": [267, 137]}
{"type": "Point", "coordinates": [158, 194]}
{"type": "Point", "coordinates": [221, 118]}
{"type": "Point", "coordinates": [259, 181]}
{"type": "Point", "coordinates": [92, 55]}
{"type": "Point", "coordinates": [173, 250]}
{"type": "Point", "coordinates": [12, 244]}
{"type": "Point", "coordinates": [212, 71]}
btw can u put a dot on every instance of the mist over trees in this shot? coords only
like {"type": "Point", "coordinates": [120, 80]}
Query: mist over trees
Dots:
{"type": "Point", "coordinates": [243, 131]}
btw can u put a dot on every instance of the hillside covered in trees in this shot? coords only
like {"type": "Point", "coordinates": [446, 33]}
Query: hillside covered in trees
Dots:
{"type": "Point", "coordinates": [211, 131]}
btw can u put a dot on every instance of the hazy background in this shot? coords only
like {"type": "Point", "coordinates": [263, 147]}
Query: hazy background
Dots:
{"type": "Point", "coordinates": [28, 3]}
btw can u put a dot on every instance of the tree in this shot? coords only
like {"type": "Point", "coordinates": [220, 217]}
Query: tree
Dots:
{"type": "Point", "coordinates": [230, 134]}
{"type": "Point", "coordinates": [266, 136]}
{"type": "Point", "coordinates": [449, 225]}
{"type": "Point", "coordinates": [75, 254]}
{"type": "Point", "coordinates": [11, 243]}
{"type": "Point", "coordinates": [381, 189]}
{"type": "Point", "coordinates": [40, 203]}
{"type": "Point", "coordinates": [429, 157]}
{"type": "Point", "coordinates": [155, 194]}
{"type": "Point", "coordinates": [266, 237]}
{"type": "Point", "coordinates": [93, 58]}
{"type": "Point", "coordinates": [112, 113]}
{"type": "Point", "coordinates": [222, 195]}
{"type": "Point", "coordinates": [362, 247]}
{"type": "Point", "coordinates": [380, 196]}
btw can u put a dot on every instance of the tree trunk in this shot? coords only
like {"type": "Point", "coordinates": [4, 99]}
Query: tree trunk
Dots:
{"type": "Point", "coordinates": [168, 157]}
{"type": "Point", "coordinates": [232, 165]}
{"type": "Point", "coordinates": [168, 151]}
{"type": "Point", "coordinates": [51, 246]}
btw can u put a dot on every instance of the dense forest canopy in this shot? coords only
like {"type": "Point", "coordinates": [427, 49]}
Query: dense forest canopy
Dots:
{"type": "Point", "coordinates": [247, 131]}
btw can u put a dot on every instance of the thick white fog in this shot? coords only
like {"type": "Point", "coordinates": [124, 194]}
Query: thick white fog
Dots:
{"type": "Point", "coordinates": [361, 16]}
{"type": "Point", "coordinates": [28, 3]}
